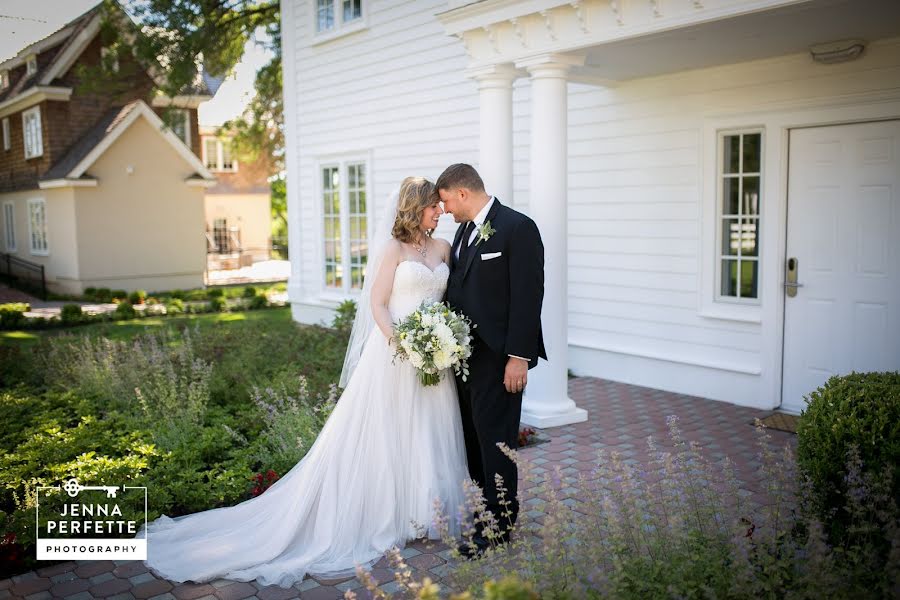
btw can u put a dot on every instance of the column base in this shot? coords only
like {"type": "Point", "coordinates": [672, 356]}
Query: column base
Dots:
{"type": "Point", "coordinates": [572, 414]}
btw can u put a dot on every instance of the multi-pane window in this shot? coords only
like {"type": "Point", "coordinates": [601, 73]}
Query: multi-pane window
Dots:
{"type": "Point", "coordinates": [31, 65]}
{"type": "Point", "coordinates": [181, 125]}
{"type": "Point", "coordinates": [352, 10]}
{"type": "Point", "coordinates": [333, 14]}
{"type": "Point", "coordinates": [9, 226]}
{"type": "Point", "coordinates": [324, 15]}
{"type": "Point", "coordinates": [331, 212]}
{"type": "Point", "coordinates": [4, 79]}
{"type": "Point", "coordinates": [211, 152]}
{"type": "Point", "coordinates": [7, 144]}
{"type": "Point", "coordinates": [31, 127]}
{"type": "Point", "coordinates": [226, 162]}
{"type": "Point", "coordinates": [740, 169]}
{"type": "Point", "coordinates": [345, 224]}
{"type": "Point", "coordinates": [37, 225]}
{"type": "Point", "coordinates": [217, 154]}
{"type": "Point", "coordinates": [356, 194]}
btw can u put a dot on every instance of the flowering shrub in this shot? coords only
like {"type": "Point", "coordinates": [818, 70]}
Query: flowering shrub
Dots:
{"type": "Point", "coordinates": [290, 421]}
{"type": "Point", "coordinates": [167, 387]}
{"type": "Point", "coordinates": [262, 482]}
{"type": "Point", "coordinates": [676, 526]}
{"type": "Point", "coordinates": [526, 436]}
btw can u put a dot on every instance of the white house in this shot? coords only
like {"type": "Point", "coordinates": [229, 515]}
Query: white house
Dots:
{"type": "Point", "coordinates": [717, 182]}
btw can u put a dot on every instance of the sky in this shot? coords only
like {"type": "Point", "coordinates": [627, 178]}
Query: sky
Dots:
{"type": "Point", "coordinates": [23, 22]}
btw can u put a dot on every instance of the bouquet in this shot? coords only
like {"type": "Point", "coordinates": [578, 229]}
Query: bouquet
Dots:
{"type": "Point", "coordinates": [435, 338]}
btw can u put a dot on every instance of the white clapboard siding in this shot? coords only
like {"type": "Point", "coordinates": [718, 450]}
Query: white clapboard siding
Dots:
{"type": "Point", "coordinates": [635, 185]}
{"type": "Point", "coordinates": [397, 90]}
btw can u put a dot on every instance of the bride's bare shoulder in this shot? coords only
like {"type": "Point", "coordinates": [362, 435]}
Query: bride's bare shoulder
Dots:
{"type": "Point", "coordinates": [443, 247]}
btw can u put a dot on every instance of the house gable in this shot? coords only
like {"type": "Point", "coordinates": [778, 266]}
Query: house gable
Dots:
{"type": "Point", "coordinates": [75, 165]}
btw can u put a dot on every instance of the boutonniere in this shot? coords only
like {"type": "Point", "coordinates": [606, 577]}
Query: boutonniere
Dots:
{"type": "Point", "coordinates": [485, 232]}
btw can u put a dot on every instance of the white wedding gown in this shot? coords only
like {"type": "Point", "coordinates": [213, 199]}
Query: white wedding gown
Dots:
{"type": "Point", "coordinates": [390, 447]}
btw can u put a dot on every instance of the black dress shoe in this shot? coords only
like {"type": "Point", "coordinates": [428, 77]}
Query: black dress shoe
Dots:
{"type": "Point", "coordinates": [480, 545]}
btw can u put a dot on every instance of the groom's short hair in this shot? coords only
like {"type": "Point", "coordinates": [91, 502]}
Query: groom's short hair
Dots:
{"type": "Point", "coordinates": [460, 175]}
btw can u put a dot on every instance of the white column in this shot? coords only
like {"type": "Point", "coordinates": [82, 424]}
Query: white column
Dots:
{"type": "Point", "coordinates": [495, 130]}
{"type": "Point", "coordinates": [292, 162]}
{"type": "Point", "coordinates": [546, 402]}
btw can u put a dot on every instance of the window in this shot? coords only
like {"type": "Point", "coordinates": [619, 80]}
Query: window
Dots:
{"type": "Point", "coordinates": [333, 15]}
{"type": "Point", "coordinates": [37, 226]}
{"type": "Point", "coordinates": [181, 125]}
{"type": "Point", "coordinates": [210, 152]}
{"type": "Point", "coordinates": [9, 226]}
{"type": "Point", "coordinates": [4, 80]}
{"type": "Point", "coordinates": [110, 58]}
{"type": "Point", "coordinates": [31, 128]}
{"type": "Point", "coordinates": [217, 155]}
{"type": "Point", "coordinates": [352, 10]}
{"type": "Point", "coordinates": [6, 141]}
{"type": "Point", "coordinates": [324, 15]}
{"type": "Point", "coordinates": [345, 224]}
{"type": "Point", "coordinates": [738, 215]}
{"type": "Point", "coordinates": [31, 65]}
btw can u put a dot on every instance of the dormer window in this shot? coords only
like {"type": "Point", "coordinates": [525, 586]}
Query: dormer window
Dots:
{"type": "Point", "coordinates": [31, 66]}
{"type": "Point", "coordinates": [217, 155]}
{"type": "Point", "coordinates": [4, 80]}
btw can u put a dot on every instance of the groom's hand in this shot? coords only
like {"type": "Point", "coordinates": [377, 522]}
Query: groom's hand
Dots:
{"type": "Point", "coordinates": [515, 378]}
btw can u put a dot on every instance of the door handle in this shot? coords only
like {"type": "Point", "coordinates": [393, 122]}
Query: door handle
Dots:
{"type": "Point", "coordinates": [790, 283]}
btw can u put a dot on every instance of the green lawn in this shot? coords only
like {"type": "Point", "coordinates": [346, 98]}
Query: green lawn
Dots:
{"type": "Point", "coordinates": [125, 330]}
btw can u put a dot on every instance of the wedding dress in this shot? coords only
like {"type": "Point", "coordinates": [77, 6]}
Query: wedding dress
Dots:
{"type": "Point", "coordinates": [389, 448]}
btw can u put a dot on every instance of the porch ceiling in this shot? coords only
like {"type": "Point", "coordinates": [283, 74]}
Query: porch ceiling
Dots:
{"type": "Point", "coordinates": [784, 30]}
{"type": "Point", "coordinates": [623, 40]}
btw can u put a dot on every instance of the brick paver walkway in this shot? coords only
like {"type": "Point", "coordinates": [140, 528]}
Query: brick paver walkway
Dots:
{"type": "Point", "coordinates": [621, 416]}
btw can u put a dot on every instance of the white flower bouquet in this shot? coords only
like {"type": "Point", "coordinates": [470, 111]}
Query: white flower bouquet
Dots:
{"type": "Point", "coordinates": [435, 338]}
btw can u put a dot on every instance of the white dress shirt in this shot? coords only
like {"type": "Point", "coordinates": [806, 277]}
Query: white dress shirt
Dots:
{"type": "Point", "coordinates": [479, 221]}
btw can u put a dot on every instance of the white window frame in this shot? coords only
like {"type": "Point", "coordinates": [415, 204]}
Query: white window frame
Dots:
{"type": "Point", "coordinates": [340, 28]}
{"type": "Point", "coordinates": [218, 165]}
{"type": "Point", "coordinates": [9, 225]}
{"type": "Point", "coordinates": [187, 125]}
{"type": "Point", "coordinates": [341, 162]}
{"type": "Point", "coordinates": [31, 66]}
{"type": "Point", "coordinates": [720, 176]}
{"type": "Point", "coordinates": [4, 79]}
{"type": "Point", "coordinates": [7, 142]}
{"type": "Point", "coordinates": [38, 149]}
{"type": "Point", "coordinates": [42, 249]}
{"type": "Point", "coordinates": [712, 304]}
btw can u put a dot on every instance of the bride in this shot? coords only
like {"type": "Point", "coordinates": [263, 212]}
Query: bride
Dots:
{"type": "Point", "coordinates": [388, 450]}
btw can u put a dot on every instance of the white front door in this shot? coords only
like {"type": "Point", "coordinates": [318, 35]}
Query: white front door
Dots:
{"type": "Point", "coordinates": [843, 232]}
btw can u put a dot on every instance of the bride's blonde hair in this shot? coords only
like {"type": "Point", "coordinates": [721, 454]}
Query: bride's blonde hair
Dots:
{"type": "Point", "coordinates": [416, 194]}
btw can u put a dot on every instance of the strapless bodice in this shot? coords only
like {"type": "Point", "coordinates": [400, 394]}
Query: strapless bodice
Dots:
{"type": "Point", "coordinates": [415, 283]}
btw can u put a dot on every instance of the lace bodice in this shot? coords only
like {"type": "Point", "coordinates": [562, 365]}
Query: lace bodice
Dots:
{"type": "Point", "coordinates": [414, 283]}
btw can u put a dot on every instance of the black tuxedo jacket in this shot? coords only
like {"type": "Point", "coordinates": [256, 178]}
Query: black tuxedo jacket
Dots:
{"type": "Point", "coordinates": [502, 295]}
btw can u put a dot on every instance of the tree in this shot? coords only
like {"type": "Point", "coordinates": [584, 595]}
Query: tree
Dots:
{"type": "Point", "coordinates": [178, 39]}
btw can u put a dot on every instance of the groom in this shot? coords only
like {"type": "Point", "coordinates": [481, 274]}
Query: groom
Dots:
{"type": "Point", "coordinates": [497, 280]}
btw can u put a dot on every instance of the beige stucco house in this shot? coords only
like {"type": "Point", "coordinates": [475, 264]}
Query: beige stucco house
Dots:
{"type": "Point", "coordinates": [124, 209]}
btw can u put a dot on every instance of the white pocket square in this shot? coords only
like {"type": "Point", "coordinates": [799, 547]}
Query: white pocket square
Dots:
{"type": "Point", "coordinates": [490, 255]}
